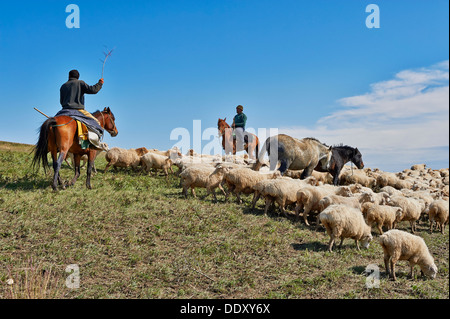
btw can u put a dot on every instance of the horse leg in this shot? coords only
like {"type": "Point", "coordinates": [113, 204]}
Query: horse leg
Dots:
{"type": "Point", "coordinates": [307, 172]}
{"type": "Point", "coordinates": [91, 160]}
{"type": "Point", "coordinates": [56, 168]}
{"type": "Point", "coordinates": [76, 163]}
{"type": "Point", "coordinates": [335, 173]}
{"type": "Point", "coordinates": [284, 165]}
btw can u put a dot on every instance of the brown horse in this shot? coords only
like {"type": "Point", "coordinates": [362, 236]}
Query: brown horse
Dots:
{"type": "Point", "coordinates": [58, 134]}
{"type": "Point", "coordinates": [226, 132]}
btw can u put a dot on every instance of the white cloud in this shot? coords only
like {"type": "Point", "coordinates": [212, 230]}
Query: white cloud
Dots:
{"type": "Point", "coordinates": [398, 123]}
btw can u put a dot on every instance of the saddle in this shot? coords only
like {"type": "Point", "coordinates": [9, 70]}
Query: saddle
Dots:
{"type": "Point", "coordinates": [83, 135]}
{"type": "Point", "coordinates": [245, 138]}
{"type": "Point", "coordinates": [89, 139]}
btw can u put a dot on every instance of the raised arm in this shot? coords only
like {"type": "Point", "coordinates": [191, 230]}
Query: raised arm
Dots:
{"type": "Point", "coordinates": [94, 89]}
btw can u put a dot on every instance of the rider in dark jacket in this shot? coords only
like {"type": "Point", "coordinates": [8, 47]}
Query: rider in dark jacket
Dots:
{"type": "Point", "coordinates": [72, 102]}
{"type": "Point", "coordinates": [72, 92]}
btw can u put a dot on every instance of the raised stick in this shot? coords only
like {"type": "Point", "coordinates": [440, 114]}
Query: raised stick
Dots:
{"type": "Point", "coordinates": [107, 55]}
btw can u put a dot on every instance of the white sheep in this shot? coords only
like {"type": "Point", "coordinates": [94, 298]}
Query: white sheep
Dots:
{"type": "Point", "coordinates": [119, 157]}
{"type": "Point", "coordinates": [215, 180]}
{"type": "Point", "coordinates": [400, 245]}
{"type": "Point", "coordinates": [411, 207]}
{"type": "Point", "coordinates": [383, 215]}
{"type": "Point", "coordinates": [241, 180]}
{"type": "Point", "coordinates": [341, 221]}
{"type": "Point", "coordinates": [308, 198]}
{"type": "Point", "coordinates": [438, 212]}
{"type": "Point", "coordinates": [155, 161]}
{"type": "Point", "coordinates": [195, 176]}
{"type": "Point", "coordinates": [283, 191]}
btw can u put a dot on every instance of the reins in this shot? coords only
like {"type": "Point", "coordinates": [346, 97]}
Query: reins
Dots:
{"type": "Point", "coordinates": [104, 123]}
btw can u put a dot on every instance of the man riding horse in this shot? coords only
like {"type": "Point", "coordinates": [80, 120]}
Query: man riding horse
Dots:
{"type": "Point", "coordinates": [238, 125]}
{"type": "Point", "coordinates": [72, 101]}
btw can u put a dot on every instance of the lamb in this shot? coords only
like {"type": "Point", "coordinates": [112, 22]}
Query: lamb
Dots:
{"type": "Point", "coordinates": [215, 180]}
{"type": "Point", "coordinates": [438, 212]}
{"type": "Point", "coordinates": [240, 180]}
{"type": "Point", "coordinates": [283, 191]}
{"type": "Point", "coordinates": [119, 157]}
{"type": "Point", "coordinates": [411, 209]}
{"type": "Point", "coordinates": [156, 161]}
{"type": "Point", "coordinates": [400, 245]}
{"type": "Point", "coordinates": [195, 176]}
{"type": "Point", "coordinates": [383, 215]}
{"type": "Point", "coordinates": [309, 197]}
{"type": "Point", "coordinates": [345, 222]}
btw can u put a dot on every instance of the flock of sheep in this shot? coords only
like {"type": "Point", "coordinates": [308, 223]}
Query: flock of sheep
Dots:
{"type": "Point", "coordinates": [364, 199]}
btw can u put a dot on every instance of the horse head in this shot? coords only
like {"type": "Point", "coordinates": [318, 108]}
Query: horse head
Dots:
{"type": "Point", "coordinates": [357, 159]}
{"type": "Point", "coordinates": [222, 125]}
{"type": "Point", "coordinates": [109, 121]}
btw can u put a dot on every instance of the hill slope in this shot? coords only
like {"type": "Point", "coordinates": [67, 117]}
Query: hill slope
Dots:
{"type": "Point", "coordinates": [135, 236]}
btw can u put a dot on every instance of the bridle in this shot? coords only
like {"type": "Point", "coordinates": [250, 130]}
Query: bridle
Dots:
{"type": "Point", "coordinates": [111, 122]}
{"type": "Point", "coordinates": [222, 130]}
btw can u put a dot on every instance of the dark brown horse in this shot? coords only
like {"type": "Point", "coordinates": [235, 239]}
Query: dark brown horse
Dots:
{"type": "Point", "coordinates": [229, 141]}
{"type": "Point", "coordinates": [59, 134]}
{"type": "Point", "coordinates": [340, 155]}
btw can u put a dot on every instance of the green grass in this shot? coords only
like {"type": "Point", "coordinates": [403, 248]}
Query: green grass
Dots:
{"type": "Point", "coordinates": [135, 236]}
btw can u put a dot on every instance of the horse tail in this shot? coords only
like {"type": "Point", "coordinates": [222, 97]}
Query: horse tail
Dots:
{"type": "Point", "coordinates": [257, 149]}
{"type": "Point", "coordinates": [41, 147]}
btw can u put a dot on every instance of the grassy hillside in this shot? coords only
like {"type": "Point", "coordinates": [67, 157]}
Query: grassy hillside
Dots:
{"type": "Point", "coordinates": [135, 236]}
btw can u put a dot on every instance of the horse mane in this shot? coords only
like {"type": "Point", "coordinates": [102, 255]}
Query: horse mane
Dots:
{"type": "Point", "coordinates": [342, 146]}
{"type": "Point", "coordinates": [98, 111]}
{"type": "Point", "coordinates": [315, 139]}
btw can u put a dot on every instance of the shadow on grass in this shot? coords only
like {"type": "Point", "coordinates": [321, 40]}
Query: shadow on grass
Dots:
{"type": "Point", "coordinates": [312, 246]}
{"type": "Point", "coordinates": [25, 183]}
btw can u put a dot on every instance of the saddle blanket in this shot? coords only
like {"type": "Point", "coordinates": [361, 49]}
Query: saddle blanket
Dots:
{"type": "Point", "coordinates": [84, 117]}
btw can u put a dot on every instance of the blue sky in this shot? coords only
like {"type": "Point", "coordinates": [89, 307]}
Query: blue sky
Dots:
{"type": "Point", "coordinates": [308, 68]}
